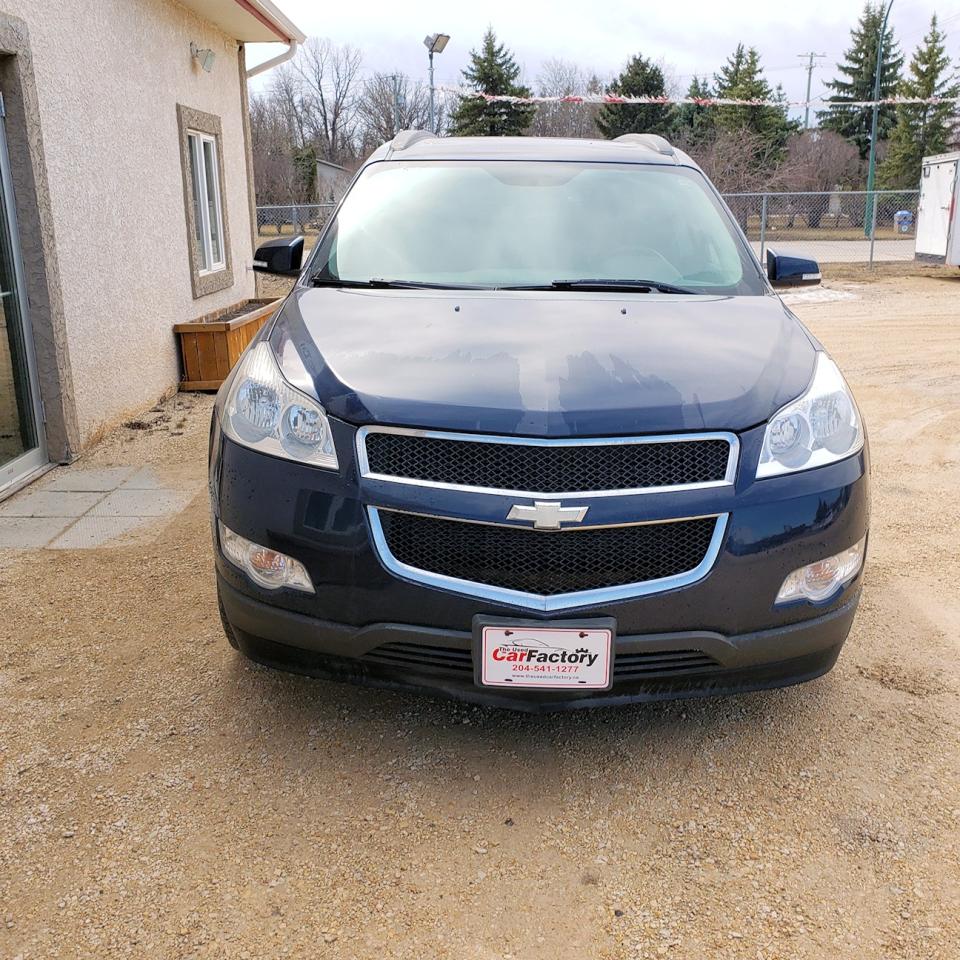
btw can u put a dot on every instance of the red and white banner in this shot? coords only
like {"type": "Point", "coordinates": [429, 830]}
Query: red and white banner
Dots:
{"type": "Point", "coordinates": [602, 98]}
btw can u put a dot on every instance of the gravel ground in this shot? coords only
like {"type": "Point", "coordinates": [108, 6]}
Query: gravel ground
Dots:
{"type": "Point", "coordinates": [161, 797]}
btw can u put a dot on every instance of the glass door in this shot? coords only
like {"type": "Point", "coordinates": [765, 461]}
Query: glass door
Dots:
{"type": "Point", "coordinates": [22, 447]}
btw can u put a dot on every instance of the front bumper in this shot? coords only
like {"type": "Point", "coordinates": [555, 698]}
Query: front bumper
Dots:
{"type": "Point", "coordinates": [368, 624]}
{"type": "Point", "coordinates": [417, 659]}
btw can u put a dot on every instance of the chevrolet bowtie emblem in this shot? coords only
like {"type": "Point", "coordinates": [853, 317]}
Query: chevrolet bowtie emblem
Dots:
{"type": "Point", "coordinates": [547, 514]}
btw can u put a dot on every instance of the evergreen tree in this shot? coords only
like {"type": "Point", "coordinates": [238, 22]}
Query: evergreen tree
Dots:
{"type": "Point", "coordinates": [741, 78]}
{"type": "Point", "coordinates": [856, 82]}
{"type": "Point", "coordinates": [691, 124]}
{"type": "Point", "coordinates": [640, 78]}
{"type": "Point", "coordinates": [305, 169]}
{"type": "Point", "coordinates": [492, 70]}
{"type": "Point", "coordinates": [922, 129]}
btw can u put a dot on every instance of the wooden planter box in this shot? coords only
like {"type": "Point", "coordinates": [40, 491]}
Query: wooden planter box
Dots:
{"type": "Point", "coordinates": [212, 344]}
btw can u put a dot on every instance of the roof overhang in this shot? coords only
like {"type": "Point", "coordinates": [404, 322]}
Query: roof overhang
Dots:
{"type": "Point", "coordinates": [249, 21]}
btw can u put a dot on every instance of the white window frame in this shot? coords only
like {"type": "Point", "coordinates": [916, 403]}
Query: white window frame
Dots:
{"type": "Point", "coordinates": [208, 264]}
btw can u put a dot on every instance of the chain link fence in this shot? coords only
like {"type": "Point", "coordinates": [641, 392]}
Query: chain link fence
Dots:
{"type": "Point", "coordinates": [289, 220]}
{"type": "Point", "coordinates": [839, 227]}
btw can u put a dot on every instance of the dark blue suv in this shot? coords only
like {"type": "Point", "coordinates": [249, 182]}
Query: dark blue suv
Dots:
{"type": "Point", "coordinates": [534, 429]}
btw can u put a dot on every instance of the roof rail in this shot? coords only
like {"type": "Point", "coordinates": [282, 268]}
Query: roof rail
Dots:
{"type": "Point", "coordinates": [407, 138]}
{"type": "Point", "coordinates": [652, 141]}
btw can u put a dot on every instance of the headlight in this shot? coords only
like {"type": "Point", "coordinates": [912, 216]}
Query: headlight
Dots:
{"type": "Point", "coordinates": [821, 580]}
{"type": "Point", "coordinates": [819, 427]}
{"type": "Point", "coordinates": [264, 412]}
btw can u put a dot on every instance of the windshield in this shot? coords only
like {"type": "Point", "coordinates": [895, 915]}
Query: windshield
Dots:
{"type": "Point", "coordinates": [532, 223]}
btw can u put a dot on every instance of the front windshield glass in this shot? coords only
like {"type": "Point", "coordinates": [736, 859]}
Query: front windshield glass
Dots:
{"type": "Point", "coordinates": [533, 223]}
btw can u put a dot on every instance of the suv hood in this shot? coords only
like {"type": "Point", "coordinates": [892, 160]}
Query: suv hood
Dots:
{"type": "Point", "coordinates": [543, 364]}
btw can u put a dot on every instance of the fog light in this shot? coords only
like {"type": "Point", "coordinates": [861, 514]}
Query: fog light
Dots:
{"type": "Point", "coordinates": [821, 580]}
{"type": "Point", "coordinates": [269, 568]}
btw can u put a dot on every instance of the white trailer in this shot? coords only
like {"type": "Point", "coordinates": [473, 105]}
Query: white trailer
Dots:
{"type": "Point", "coordinates": [938, 214]}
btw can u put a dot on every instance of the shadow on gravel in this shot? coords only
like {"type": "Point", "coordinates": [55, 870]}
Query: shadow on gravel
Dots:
{"type": "Point", "coordinates": [344, 720]}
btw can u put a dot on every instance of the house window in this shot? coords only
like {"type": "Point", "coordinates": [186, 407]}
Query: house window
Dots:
{"type": "Point", "coordinates": [206, 199]}
{"type": "Point", "coordinates": [207, 209]}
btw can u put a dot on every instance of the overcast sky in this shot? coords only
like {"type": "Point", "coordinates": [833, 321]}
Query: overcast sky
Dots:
{"type": "Point", "coordinates": [691, 36]}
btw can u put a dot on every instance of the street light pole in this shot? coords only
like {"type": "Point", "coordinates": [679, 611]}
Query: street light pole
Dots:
{"type": "Point", "coordinates": [433, 124]}
{"type": "Point", "coordinates": [435, 43]}
{"type": "Point", "coordinates": [872, 162]}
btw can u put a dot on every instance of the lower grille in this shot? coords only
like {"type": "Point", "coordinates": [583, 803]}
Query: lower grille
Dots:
{"type": "Point", "coordinates": [547, 564]}
{"type": "Point", "coordinates": [455, 661]}
{"type": "Point", "coordinates": [633, 666]}
{"type": "Point", "coordinates": [418, 655]}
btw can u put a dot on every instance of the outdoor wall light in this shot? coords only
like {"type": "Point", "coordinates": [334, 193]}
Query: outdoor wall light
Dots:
{"type": "Point", "coordinates": [204, 57]}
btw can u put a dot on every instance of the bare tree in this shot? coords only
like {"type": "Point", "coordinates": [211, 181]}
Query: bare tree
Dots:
{"type": "Point", "coordinates": [821, 160]}
{"type": "Point", "coordinates": [737, 161]}
{"type": "Point", "coordinates": [309, 112]}
{"type": "Point", "coordinates": [389, 103]}
{"type": "Point", "coordinates": [328, 96]}
{"type": "Point", "coordinates": [673, 84]}
{"type": "Point", "coordinates": [286, 99]}
{"type": "Point", "coordinates": [743, 162]}
{"type": "Point", "coordinates": [818, 160]}
{"type": "Point", "coordinates": [274, 145]}
{"type": "Point", "coordinates": [562, 78]}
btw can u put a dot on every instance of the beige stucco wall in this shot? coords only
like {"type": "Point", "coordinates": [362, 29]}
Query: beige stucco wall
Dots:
{"type": "Point", "coordinates": [109, 74]}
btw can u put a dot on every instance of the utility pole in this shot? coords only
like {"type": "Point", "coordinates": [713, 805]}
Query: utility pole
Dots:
{"type": "Point", "coordinates": [810, 65]}
{"type": "Point", "coordinates": [872, 163]}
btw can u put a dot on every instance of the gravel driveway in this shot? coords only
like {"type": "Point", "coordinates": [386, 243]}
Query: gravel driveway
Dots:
{"type": "Point", "coordinates": [162, 798]}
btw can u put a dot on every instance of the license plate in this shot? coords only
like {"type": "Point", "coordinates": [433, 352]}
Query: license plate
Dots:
{"type": "Point", "coordinates": [547, 658]}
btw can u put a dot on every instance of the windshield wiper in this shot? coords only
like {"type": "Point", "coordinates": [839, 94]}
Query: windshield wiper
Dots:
{"type": "Point", "coordinates": [601, 285]}
{"type": "Point", "coordinates": [337, 282]}
{"type": "Point", "coordinates": [378, 283]}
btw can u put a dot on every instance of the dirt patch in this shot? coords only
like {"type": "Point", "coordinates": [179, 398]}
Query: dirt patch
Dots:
{"type": "Point", "coordinates": [894, 676]}
{"type": "Point", "coordinates": [270, 286]}
{"type": "Point", "coordinates": [169, 433]}
{"type": "Point", "coordinates": [160, 797]}
{"type": "Point", "coordinates": [894, 270]}
{"type": "Point", "coordinates": [237, 310]}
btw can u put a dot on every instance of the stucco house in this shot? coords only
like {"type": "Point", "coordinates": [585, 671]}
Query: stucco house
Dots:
{"type": "Point", "coordinates": [126, 204]}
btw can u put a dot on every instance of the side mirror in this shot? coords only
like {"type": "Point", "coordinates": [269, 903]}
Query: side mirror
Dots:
{"type": "Point", "coordinates": [786, 271]}
{"type": "Point", "coordinates": [282, 256]}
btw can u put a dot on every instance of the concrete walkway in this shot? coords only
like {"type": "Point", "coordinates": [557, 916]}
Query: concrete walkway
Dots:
{"type": "Point", "coordinates": [76, 507]}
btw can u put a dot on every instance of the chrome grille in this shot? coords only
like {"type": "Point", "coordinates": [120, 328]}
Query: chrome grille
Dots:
{"type": "Point", "coordinates": [537, 564]}
{"type": "Point", "coordinates": [553, 467]}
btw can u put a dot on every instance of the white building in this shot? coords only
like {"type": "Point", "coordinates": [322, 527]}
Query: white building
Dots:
{"type": "Point", "coordinates": [127, 204]}
{"type": "Point", "coordinates": [332, 181]}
